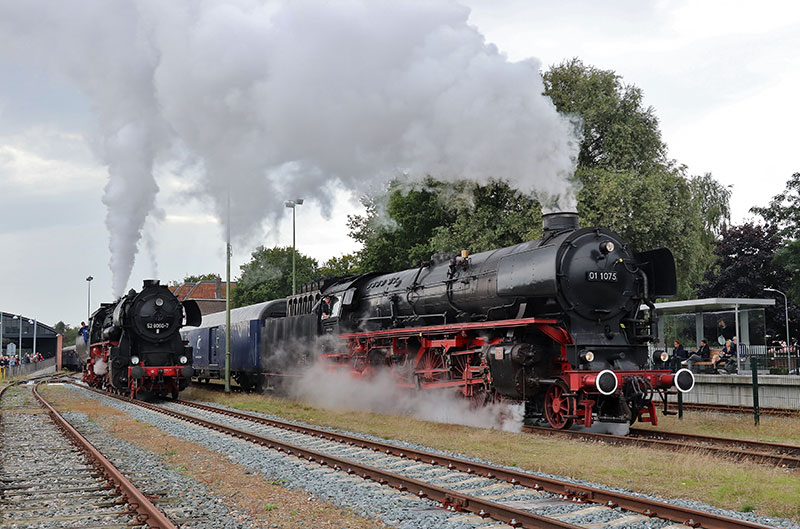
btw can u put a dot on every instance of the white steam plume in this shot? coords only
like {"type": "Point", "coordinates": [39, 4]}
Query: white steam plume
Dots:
{"type": "Point", "coordinates": [284, 99]}
{"type": "Point", "coordinates": [380, 394]}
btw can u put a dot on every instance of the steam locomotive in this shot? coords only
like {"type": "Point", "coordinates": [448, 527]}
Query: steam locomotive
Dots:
{"type": "Point", "coordinates": [135, 343]}
{"type": "Point", "coordinates": [555, 323]}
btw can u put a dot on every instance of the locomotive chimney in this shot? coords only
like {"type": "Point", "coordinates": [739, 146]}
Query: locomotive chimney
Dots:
{"type": "Point", "coordinates": [151, 283]}
{"type": "Point", "coordinates": [559, 221]}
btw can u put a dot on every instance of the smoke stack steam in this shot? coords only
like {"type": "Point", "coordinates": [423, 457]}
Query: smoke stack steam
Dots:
{"type": "Point", "coordinates": [270, 100]}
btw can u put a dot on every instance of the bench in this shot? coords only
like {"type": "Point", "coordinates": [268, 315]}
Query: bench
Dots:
{"type": "Point", "coordinates": [704, 367]}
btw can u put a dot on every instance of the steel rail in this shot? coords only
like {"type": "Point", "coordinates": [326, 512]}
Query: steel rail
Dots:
{"type": "Point", "coordinates": [137, 502]}
{"type": "Point", "coordinates": [793, 451]}
{"type": "Point", "coordinates": [584, 493]}
{"type": "Point", "coordinates": [787, 461]}
{"type": "Point", "coordinates": [449, 499]}
{"type": "Point", "coordinates": [727, 408]}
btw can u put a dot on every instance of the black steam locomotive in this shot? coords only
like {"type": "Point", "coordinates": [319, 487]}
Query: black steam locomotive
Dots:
{"type": "Point", "coordinates": [135, 344]}
{"type": "Point", "coordinates": [555, 323]}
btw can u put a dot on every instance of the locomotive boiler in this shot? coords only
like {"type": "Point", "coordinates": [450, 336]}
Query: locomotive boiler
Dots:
{"type": "Point", "coordinates": [556, 323]}
{"type": "Point", "coordinates": [135, 343]}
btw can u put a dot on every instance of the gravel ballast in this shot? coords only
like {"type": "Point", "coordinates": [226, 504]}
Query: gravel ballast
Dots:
{"type": "Point", "coordinates": [370, 499]}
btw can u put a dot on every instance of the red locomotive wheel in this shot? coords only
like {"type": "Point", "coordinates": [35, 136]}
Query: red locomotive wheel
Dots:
{"type": "Point", "coordinates": [429, 364]}
{"type": "Point", "coordinates": [558, 406]}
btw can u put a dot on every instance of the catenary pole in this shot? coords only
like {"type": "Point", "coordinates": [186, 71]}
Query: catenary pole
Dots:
{"type": "Point", "coordinates": [228, 301]}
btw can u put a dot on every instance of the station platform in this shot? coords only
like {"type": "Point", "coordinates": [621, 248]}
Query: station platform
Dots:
{"type": "Point", "coordinates": [774, 391]}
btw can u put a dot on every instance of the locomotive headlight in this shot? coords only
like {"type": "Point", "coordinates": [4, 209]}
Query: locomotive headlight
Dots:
{"type": "Point", "coordinates": [664, 356]}
{"type": "Point", "coordinates": [159, 302]}
{"type": "Point", "coordinates": [607, 247]}
{"type": "Point", "coordinates": [588, 356]}
{"type": "Point", "coordinates": [135, 360]}
{"type": "Point", "coordinates": [183, 359]}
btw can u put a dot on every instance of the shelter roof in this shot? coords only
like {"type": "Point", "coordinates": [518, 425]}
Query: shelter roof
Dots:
{"type": "Point", "coordinates": [710, 305]}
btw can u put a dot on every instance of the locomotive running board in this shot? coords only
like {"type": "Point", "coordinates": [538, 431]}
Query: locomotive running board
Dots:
{"type": "Point", "coordinates": [450, 328]}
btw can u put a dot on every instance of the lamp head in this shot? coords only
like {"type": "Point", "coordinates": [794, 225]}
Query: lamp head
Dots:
{"type": "Point", "coordinates": [89, 278]}
{"type": "Point", "coordinates": [298, 201]}
{"type": "Point", "coordinates": [289, 204]}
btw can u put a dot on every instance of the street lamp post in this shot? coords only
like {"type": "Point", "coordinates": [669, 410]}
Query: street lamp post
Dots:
{"type": "Point", "coordinates": [19, 350]}
{"type": "Point", "coordinates": [788, 343]}
{"type": "Point", "coordinates": [89, 298]}
{"type": "Point", "coordinates": [34, 336]}
{"type": "Point", "coordinates": [293, 204]}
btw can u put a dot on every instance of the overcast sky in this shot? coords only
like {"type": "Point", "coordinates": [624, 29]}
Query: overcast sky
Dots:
{"type": "Point", "coordinates": [722, 77]}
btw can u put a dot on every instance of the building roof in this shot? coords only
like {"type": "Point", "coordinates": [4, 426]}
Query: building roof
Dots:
{"type": "Point", "coordinates": [710, 305]}
{"type": "Point", "coordinates": [10, 328]}
{"type": "Point", "coordinates": [200, 290]}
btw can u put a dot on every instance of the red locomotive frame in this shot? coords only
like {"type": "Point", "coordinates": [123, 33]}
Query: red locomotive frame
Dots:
{"type": "Point", "coordinates": [569, 399]}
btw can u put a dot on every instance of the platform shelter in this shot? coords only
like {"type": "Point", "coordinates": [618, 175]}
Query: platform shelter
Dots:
{"type": "Point", "coordinates": [715, 320]}
{"type": "Point", "coordinates": [25, 334]}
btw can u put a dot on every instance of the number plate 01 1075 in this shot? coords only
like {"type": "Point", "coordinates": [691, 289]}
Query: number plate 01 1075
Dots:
{"type": "Point", "coordinates": [605, 277]}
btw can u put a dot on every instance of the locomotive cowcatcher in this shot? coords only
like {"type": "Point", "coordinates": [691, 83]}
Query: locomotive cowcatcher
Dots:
{"type": "Point", "coordinates": [135, 344]}
{"type": "Point", "coordinates": [555, 323]}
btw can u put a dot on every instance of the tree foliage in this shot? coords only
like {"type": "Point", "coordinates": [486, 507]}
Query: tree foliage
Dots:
{"type": "Point", "coordinates": [339, 266]}
{"type": "Point", "coordinates": [67, 332]}
{"type": "Point", "coordinates": [268, 275]}
{"type": "Point", "coordinates": [784, 210]}
{"type": "Point", "coordinates": [397, 226]}
{"type": "Point", "coordinates": [619, 133]}
{"type": "Point", "coordinates": [744, 266]}
{"type": "Point", "coordinates": [201, 277]}
{"type": "Point", "coordinates": [486, 217]}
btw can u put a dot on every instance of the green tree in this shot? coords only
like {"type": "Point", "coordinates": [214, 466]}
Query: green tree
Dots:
{"type": "Point", "coordinates": [745, 264]}
{"type": "Point", "coordinates": [783, 210]}
{"type": "Point", "coordinates": [201, 277]}
{"type": "Point", "coordinates": [67, 332]}
{"type": "Point", "coordinates": [486, 217]}
{"type": "Point", "coordinates": [268, 275]}
{"type": "Point", "coordinates": [619, 133]}
{"type": "Point", "coordinates": [398, 225]}
{"type": "Point", "coordinates": [663, 209]}
{"type": "Point", "coordinates": [339, 266]}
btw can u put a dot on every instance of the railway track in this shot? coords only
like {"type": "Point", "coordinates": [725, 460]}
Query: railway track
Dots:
{"type": "Point", "coordinates": [723, 408]}
{"type": "Point", "coordinates": [486, 491]}
{"type": "Point", "coordinates": [51, 476]}
{"type": "Point", "coordinates": [782, 455]}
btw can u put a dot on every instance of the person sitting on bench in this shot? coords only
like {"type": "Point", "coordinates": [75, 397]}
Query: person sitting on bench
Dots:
{"type": "Point", "coordinates": [703, 354]}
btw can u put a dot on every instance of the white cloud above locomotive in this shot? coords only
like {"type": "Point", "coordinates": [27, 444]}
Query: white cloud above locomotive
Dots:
{"type": "Point", "coordinates": [285, 98]}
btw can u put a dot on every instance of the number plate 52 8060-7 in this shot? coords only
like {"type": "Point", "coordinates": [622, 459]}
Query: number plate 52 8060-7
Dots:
{"type": "Point", "coordinates": [607, 277]}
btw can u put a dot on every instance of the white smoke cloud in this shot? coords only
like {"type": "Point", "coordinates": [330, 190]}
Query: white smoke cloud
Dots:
{"type": "Point", "coordinates": [323, 387]}
{"type": "Point", "coordinates": [269, 100]}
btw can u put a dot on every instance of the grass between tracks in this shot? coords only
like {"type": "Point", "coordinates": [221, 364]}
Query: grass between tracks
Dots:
{"type": "Point", "coordinates": [742, 486]}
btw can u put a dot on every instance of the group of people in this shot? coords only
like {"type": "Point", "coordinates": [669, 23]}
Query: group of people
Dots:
{"type": "Point", "coordinates": [719, 359]}
{"type": "Point", "coordinates": [12, 361]}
